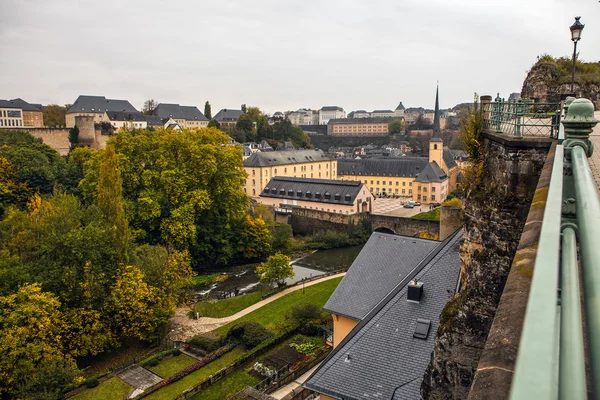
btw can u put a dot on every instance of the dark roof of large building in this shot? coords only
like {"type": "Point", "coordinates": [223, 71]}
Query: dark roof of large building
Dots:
{"type": "Point", "coordinates": [382, 263]}
{"type": "Point", "coordinates": [316, 190]}
{"type": "Point", "coordinates": [367, 120]}
{"type": "Point", "coordinates": [175, 111]}
{"type": "Point", "coordinates": [400, 167]}
{"type": "Point", "coordinates": [20, 103]}
{"type": "Point", "coordinates": [125, 116]}
{"type": "Point", "coordinates": [431, 173]}
{"type": "Point", "coordinates": [381, 358]}
{"type": "Point", "coordinates": [154, 120]}
{"type": "Point", "coordinates": [226, 115]}
{"type": "Point", "coordinates": [99, 104]}
{"type": "Point", "coordinates": [400, 107]}
{"type": "Point", "coordinates": [383, 111]}
{"type": "Point", "coordinates": [331, 108]}
{"type": "Point", "coordinates": [263, 159]}
{"type": "Point", "coordinates": [449, 159]}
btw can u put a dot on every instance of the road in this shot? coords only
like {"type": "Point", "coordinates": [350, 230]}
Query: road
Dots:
{"type": "Point", "coordinates": [185, 328]}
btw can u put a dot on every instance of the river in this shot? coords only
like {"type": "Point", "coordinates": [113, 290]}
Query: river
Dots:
{"type": "Point", "coordinates": [243, 279]}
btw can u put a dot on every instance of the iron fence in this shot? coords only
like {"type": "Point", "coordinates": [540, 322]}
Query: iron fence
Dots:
{"type": "Point", "coordinates": [522, 118]}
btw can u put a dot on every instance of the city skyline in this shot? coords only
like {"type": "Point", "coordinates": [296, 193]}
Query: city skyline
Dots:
{"type": "Point", "coordinates": [282, 56]}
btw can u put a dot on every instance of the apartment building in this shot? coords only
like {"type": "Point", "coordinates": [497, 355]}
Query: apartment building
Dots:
{"type": "Point", "coordinates": [262, 166]}
{"type": "Point", "coordinates": [19, 113]}
{"type": "Point", "coordinates": [185, 116]}
{"type": "Point", "coordinates": [127, 120]}
{"type": "Point", "coordinates": [371, 126]}
{"type": "Point", "coordinates": [330, 112]}
{"type": "Point", "coordinates": [227, 116]}
{"type": "Point", "coordinates": [95, 106]}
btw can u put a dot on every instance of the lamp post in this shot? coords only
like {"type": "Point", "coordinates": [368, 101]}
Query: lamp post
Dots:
{"type": "Point", "coordinates": [576, 29]}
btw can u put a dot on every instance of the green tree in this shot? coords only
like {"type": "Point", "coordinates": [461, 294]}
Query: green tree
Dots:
{"type": "Point", "coordinates": [74, 135]}
{"type": "Point", "coordinates": [397, 127]}
{"type": "Point", "coordinates": [207, 111]}
{"type": "Point", "coordinates": [255, 238]}
{"type": "Point", "coordinates": [244, 123]}
{"type": "Point", "coordinates": [275, 270]}
{"type": "Point", "coordinates": [31, 344]}
{"type": "Point", "coordinates": [149, 107]}
{"type": "Point", "coordinates": [244, 108]}
{"type": "Point", "coordinates": [110, 201]}
{"type": "Point", "coordinates": [213, 124]}
{"type": "Point", "coordinates": [54, 116]}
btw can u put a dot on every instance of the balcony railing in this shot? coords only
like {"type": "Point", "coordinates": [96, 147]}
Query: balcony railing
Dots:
{"type": "Point", "coordinates": [551, 362]}
{"type": "Point", "coordinates": [522, 118]}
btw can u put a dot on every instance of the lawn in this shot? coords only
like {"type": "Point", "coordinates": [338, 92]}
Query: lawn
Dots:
{"type": "Point", "coordinates": [228, 386]}
{"type": "Point", "coordinates": [172, 365]}
{"type": "Point", "coordinates": [433, 215]}
{"type": "Point", "coordinates": [227, 307]}
{"type": "Point", "coordinates": [272, 315]}
{"type": "Point", "coordinates": [112, 388]}
{"type": "Point", "coordinates": [171, 391]}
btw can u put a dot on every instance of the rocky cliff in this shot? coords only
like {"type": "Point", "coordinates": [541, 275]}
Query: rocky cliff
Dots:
{"type": "Point", "coordinates": [550, 77]}
{"type": "Point", "coordinates": [495, 214]}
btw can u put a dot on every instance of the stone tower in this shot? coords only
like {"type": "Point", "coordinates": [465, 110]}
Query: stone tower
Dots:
{"type": "Point", "coordinates": [436, 145]}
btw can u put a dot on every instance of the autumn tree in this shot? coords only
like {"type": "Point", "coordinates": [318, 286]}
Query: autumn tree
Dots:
{"type": "Point", "coordinates": [255, 238]}
{"type": "Point", "coordinates": [207, 111]}
{"type": "Point", "coordinates": [110, 201]}
{"type": "Point", "coordinates": [396, 127]}
{"type": "Point", "coordinates": [74, 135]}
{"type": "Point", "coordinates": [54, 116]}
{"type": "Point", "coordinates": [149, 107]}
{"type": "Point", "coordinates": [275, 270]}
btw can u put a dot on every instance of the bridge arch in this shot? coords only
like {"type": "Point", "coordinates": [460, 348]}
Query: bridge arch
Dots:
{"type": "Point", "coordinates": [383, 229]}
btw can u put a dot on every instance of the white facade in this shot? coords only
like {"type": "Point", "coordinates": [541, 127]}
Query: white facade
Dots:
{"type": "Point", "coordinates": [383, 113]}
{"type": "Point", "coordinates": [11, 117]}
{"type": "Point", "coordinates": [327, 113]}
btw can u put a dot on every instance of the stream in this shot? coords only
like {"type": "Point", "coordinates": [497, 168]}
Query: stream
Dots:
{"type": "Point", "coordinates": [243, 279]}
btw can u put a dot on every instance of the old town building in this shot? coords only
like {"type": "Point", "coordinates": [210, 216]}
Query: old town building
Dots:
{"type": "Point", "coordinates": [95, 106]}
{"type": "Point", "coordinates": [19, 113]}
{"type": "Point", "coordinates": [185, 116]}
{"type": "Point", "coordinates": [372, 126]}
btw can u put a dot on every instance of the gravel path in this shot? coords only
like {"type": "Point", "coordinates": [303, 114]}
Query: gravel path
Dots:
{"type": "Point", "coordinates": [186, 328]}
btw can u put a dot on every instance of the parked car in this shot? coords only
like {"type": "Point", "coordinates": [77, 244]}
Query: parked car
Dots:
{"type": "Point", "coordinates": [417, 203]}
{"type": "Point", "coordinates": [409, 206]}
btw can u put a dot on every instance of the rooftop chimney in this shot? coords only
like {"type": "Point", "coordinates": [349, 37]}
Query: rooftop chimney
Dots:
{"type": "Point", "coordinates": [415, 291]}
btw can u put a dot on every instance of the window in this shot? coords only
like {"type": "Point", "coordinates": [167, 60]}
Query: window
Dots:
{"type": "Point", "coordinates": [285, 170]}
{"type": "Point", "coordinates": [425, 189]}
{"type": "Point", "coordinates": [422, 329]}
{"type": "Point", "coordinates": [253, 182]}
{"type": "Point", "coordinates": [424, 198]}
{"type": "Point", "coordinates": [397, 183]}
{"type": "Point", "coordinates": [409, 191]}
{"type": "Point", "coordinates": [435, 146]}
{"type": "Point", "coordinates": [418, 197]}
{"type": "Point", "coordinates": [253, 191]}
{"type": "Point", "coordinates": [409, 183]}
{"type": "Point", "coordinates": [275, 171]}
{"type": "Point", "coordinates": [383, 182]}
{"type": "Point", "coordinates": [390, 183]}
{"type": "Point", "coordinates": [294, 169]}
{"type": "Point", "coordinates": [396, 191]}
{"type": "Point", "coordinates": [403, 191]}
{"type": "Point", "coordinates": [371, 182]}
{"type": "Point", "coordinates": [378, 182]}
{"type": "Point", "coordinates": [419, 188]}
{"type": "Point", "coordinates": [433, 189]}
{"type": "Point", "coordinates": [403, 183]}
{"type": "Point", "coordinates": [433, 197]}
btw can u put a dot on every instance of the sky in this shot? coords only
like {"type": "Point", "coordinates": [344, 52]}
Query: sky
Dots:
{"type": "Point", "coordinates": [283, 54]}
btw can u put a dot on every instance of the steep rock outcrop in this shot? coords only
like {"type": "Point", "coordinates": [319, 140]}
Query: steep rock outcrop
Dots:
{"type": "Point", "coordinates": [495, 214]}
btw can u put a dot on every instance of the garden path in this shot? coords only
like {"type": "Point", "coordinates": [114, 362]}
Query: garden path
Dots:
{"type": "Point", "coordinates": [185, 328]}
{"type": "Point", "coordinates": [282, 392]}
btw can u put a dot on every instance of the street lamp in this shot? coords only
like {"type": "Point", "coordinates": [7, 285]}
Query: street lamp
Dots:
{"type": "Point", "coordinates": [576, 29]}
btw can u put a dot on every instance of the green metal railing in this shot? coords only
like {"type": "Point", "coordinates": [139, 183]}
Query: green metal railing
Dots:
{"type": "Point", "coordinates": [523, 117]}
{"type": "Point", "coordinates": [551, 362]}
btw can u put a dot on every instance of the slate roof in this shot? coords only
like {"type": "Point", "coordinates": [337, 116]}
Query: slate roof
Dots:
{"type": "Point", "coordinates": [400, 107]}
{"type": "Point", "coordinates": [226, 115]}
{"type": "Point", "coordinates": [22, 104]}
{"type": "Point", "coordinates": [431, 173]}
{"type": "Point", "coordinates": [331, 108]}
{"type": "Point", "coordinates": [383, 111]}
{"type": "Point", "coordinates": [380, 358]}
{"type": "Point", "coordinates": [86, 103]}
{"type": "Point", "coordinates": [399, 167]}
{"type": "Point", "coordinates": [367, 120]}
{"type": "Point", "coordinates": [263, 159]}
{"type": "Point", "coordinates": [125, 116]}
{"type": "Point", "coordinates": [316, 190]}
{"type": "Point", "coordinates": [448, 158]}
{"type": "Point", "coordinates": [175, 111]}
{"type": "Point", "coordinates": [382, 263]}
{"type": "Point", "coordinates": [154, 120]}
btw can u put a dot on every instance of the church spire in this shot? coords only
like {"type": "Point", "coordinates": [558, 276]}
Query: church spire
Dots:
{"type": "Point", "coordinates": [436, 137]}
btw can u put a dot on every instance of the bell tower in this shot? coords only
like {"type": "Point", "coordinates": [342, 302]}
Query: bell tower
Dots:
{"type": "Point", "coordinates": [436, 145]}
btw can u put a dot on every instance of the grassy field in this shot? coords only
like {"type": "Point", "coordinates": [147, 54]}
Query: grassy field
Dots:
{"type": "Point", "coordinates": [112, 388]}
{"type": "Point", "coordinates": [228, 386]}
{"type": "Point", "coordinates": [227, 307]}
{"type": "Point", "coordinates": [171, 391]}
{"type": "Point", "coordinates": [272, 315]}
{"type": "Point", "coordinates": [173, 365]}
{"type": "Point", "coordinates": [433, 215]}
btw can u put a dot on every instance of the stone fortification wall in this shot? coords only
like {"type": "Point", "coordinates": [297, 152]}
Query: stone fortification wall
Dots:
{"type": "Point", "coordinates": [495, 212]}
{"type": "Point", "coordinates": [57, 138]}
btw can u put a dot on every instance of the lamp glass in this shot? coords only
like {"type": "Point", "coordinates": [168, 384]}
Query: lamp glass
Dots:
{"type": "Point", "coordinates": [575, 34]}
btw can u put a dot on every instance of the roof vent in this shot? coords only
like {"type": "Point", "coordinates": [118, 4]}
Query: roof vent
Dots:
{"type": "Point", "coordinates": [347, 359]}
{"type": "Point", "coordinates": [422, 329]}
{"type": "Point", "coordinates": [415, 291]}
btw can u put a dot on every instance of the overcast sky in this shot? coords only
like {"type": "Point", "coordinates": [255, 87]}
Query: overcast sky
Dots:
{"type": "Point", "coordinates": [282, 54]}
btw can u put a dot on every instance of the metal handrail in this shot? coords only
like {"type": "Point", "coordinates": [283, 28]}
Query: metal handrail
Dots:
{"type": "Point", "coordinates": [523, 118]}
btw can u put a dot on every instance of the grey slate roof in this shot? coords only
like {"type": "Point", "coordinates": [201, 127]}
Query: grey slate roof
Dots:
{"type": "Point", "coordinates": [331, 108]}
{"type": "Point", "coordinates": [367, 120]}
{"type": "Point", "coordinates": [385, 360]}
{"type": "Point", "coordinates": [175, 111]}
{"type": "Point", "coordinates": [382, 263]}
{"type": "Point", "coordinates": [226, 115]}
{"type": "Point", "coordinates": [99, 104]}
{"type": "Point", "coordinates": [263, 159]}
{"type": "Point", "coordinates": [125, 116]}
{"type": "Point", "coordinates": [402, 167]}
{"type": "Point", "coordinates": [382, 111]}
{"type": "Point", "coordinates": [431, 173]}
{"type": "Point", "coordinates": [154, 120]}
{"type": "Point", "coordinates": [25, 106]}
{"type": "Point", "coordinates": [448, 158]}
{"type": "Point", "coordinates": [316, 190]}
{"type": "Point", "coordinates": [400, 107]}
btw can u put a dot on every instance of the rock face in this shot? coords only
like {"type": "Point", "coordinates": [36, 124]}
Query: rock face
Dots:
{"type": "Point", "coordinates": [495, 213]}
{"type": "Point", "coordinates": [547, 80]}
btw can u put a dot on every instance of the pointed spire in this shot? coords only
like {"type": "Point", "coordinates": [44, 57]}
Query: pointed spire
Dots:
{"type": "Point", "coordinates": [436, 137]}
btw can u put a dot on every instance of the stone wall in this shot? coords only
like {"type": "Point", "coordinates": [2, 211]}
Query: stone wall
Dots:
{"type": "Point", "coordinates": [495, 213]}
{"type": "Point", "coordinates": [405, 226]}
{"type": "Point", "coordinates": [57, 138]}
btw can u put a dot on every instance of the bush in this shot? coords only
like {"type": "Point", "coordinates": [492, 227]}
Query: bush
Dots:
{"type": "Point", "coordinates": [249, 334]}
{"type": "Point", "coordinates": [205, 343]}
{"type": "Point", "coordinates": [304, 313]}
{"type": "Point", "coordinates": [176, 352]}
{"type": "Point", "coordinates": [153, 362]}
{"type": "Point", "coordinates": [92, 382]}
